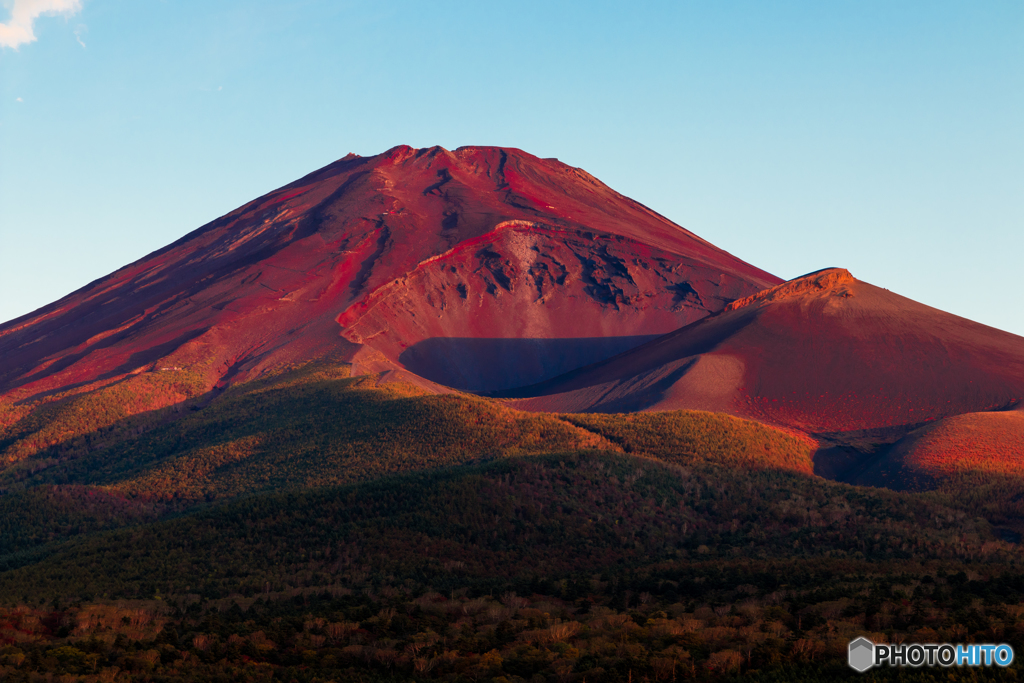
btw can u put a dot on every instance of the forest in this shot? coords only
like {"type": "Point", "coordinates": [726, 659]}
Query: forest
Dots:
{"type": "Point", "coordinates": [312, 526]}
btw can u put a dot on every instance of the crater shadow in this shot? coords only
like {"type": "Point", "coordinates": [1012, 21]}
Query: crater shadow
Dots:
{"type": "Point", "coordinates": [498, 364]}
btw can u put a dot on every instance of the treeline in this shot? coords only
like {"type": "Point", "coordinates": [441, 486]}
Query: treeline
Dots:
{"type": "Point", "coordinates": [608, 627]}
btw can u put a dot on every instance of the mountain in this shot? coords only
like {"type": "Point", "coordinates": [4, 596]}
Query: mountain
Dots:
{"type": "Point", "coordinates": [482, 268]}
{"type": "Point", "coordinates": [491, 270]}
{"type": "Point", "coordinates": [246, 457]}
{"type": "Point", "coordinates": [825, 354]}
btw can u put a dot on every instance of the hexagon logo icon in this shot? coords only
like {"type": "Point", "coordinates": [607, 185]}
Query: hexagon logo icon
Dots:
{"type": "Point", "coordinates": [862, 654]}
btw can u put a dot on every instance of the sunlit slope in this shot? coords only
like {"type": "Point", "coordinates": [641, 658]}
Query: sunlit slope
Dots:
{"type": "Point", "coordinates": [986, 443]}
{"type": "Point", "coordinates": [689, 436]}
{"type": "Point", "coordinates": [76, 422]}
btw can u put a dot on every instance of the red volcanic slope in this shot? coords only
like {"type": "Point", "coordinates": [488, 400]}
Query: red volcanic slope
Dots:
{"type": "Point", "coordinates": [983, 442]}
{"type": "Point", "coordinates": [824, 353]}
{"type": "Point", "coordinates": [987, 443]}
{"type": "Point", "coordinates": [482, 268]}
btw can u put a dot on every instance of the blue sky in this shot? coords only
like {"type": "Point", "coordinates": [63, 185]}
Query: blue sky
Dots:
{"type": "Point", "coordinates": [885, 137]}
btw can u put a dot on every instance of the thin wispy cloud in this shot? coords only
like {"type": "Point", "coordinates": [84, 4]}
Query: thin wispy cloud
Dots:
{"type": "Point", "coordinates": [18, 29]}
{"type": "Point", "coordinates": [80, 31]}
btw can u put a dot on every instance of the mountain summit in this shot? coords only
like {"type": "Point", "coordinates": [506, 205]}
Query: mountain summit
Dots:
{"type": "Point", "coordinates": [481, 268]}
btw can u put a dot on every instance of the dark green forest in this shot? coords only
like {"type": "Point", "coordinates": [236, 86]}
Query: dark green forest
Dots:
{"type": "Point", "coordinates": [315, 527]}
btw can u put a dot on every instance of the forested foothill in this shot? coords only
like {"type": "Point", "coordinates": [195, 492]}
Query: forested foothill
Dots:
{"type": "Point", "coordinates": [312, 526]}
